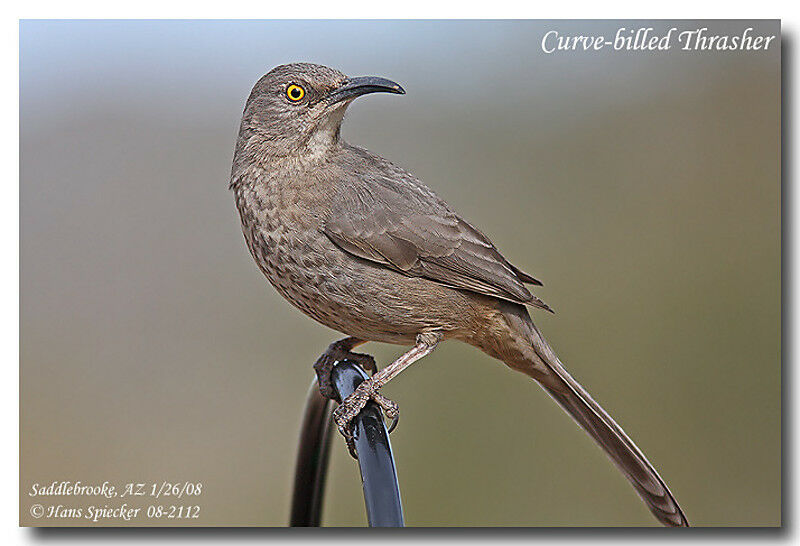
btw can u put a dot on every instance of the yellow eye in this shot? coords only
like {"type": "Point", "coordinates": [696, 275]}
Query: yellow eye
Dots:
{"type": "Point", "coordinates": [295, 92]}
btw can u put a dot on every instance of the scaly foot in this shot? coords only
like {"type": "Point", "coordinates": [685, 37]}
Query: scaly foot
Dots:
{"type": "Point", "coordinates": [336, 352]}
{"type": "Point", "coordinates": [351, 406]}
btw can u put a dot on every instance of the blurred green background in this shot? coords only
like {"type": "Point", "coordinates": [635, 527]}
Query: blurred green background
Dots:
{"type": "Point", "coordinates": [642, 188]}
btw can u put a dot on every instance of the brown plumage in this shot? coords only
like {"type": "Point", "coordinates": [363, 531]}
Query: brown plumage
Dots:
{"type": "Point", "coordinates": [365, 248]}
{"type": "Point", "coordinates": [395, 221]}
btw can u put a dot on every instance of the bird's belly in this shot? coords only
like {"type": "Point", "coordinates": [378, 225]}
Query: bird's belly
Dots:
{"type": "Point", "coordinates": [351, 295]}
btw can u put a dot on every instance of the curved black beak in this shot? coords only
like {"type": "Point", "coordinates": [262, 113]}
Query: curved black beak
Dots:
{"type": "Point", "coordinates": [355, 87]}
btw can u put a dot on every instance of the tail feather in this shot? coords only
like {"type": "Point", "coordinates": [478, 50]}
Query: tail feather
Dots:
{"type": "Point", "coordinates": [542, 364]}
{"type": "Point", "coordinates": [571, 396]}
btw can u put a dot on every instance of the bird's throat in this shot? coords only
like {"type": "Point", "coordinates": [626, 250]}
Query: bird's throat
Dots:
{"type": "Point", "coordinates": [325, 137]}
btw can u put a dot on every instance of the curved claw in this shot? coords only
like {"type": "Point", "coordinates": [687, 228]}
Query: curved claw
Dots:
{"type": "Point", "coordinates": [351, 446]}
{"type": "Point", "coordinates": [393, 424]}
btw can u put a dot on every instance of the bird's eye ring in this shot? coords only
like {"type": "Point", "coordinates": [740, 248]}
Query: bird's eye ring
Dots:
{"type": "Point", "coordinates": [295, 93]}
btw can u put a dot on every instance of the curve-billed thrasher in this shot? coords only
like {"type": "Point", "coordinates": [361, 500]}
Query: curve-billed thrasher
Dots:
{"type": "Point", "coordinates": [365, 248]}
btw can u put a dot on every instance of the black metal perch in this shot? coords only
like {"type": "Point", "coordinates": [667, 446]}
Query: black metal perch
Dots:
{"type": "Point", "coordinates": [378, 474]}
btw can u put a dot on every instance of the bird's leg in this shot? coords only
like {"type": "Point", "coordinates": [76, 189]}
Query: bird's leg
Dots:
{"type": "Point", "coordinates": [368, 390]}
{"type": "Point", "coordinates": [337, 351]}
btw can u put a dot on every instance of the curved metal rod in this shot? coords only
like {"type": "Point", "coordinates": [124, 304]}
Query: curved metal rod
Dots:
{"type": "Point", "coordinates": [311, 467]}
{"type": "Point", "coordinates": [378, 473]}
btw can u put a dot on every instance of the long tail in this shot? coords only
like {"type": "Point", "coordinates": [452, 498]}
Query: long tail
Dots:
{"type": "Point", "coordinates": [542, 364]}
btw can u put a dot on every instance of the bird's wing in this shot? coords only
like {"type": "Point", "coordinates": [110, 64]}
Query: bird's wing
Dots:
{"type": "Point", "coordinates": [415, 234]}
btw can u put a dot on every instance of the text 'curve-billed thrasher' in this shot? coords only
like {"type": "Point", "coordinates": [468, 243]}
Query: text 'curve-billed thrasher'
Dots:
{"type": "Point", "coordinates": [365, 248]}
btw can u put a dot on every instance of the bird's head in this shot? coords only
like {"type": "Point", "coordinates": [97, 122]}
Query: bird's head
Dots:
{"type": "Point", "coordinates": [298, 108]}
